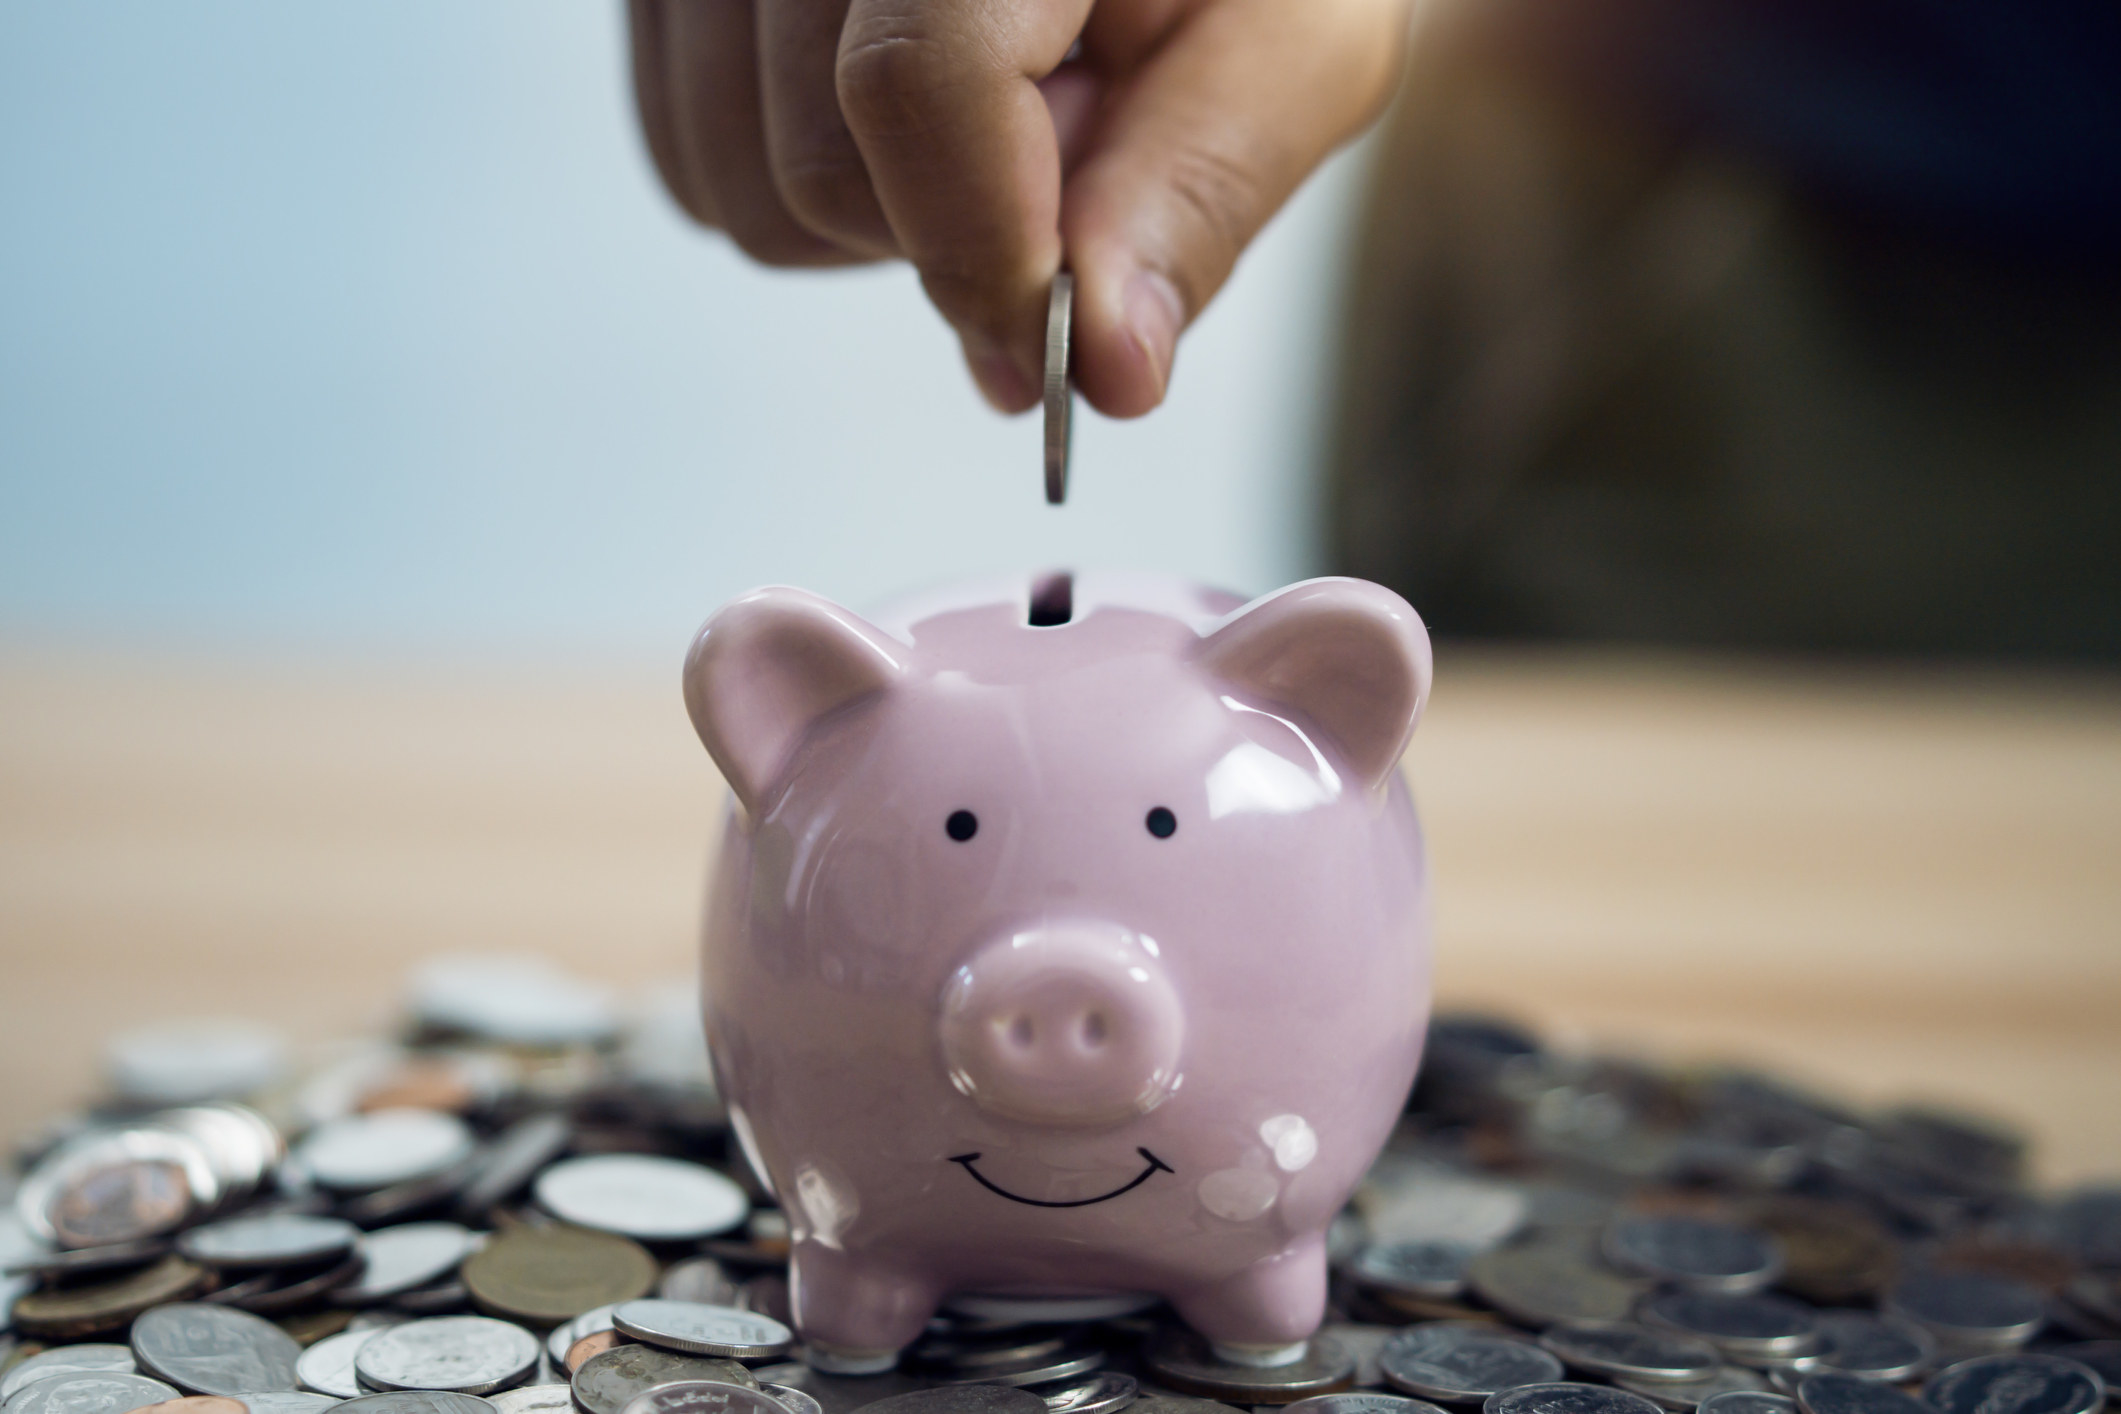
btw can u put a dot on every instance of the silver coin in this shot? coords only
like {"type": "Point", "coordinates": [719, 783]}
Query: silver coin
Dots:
{"type": "Point", "coordinates": [404, 1257]}
{"type": "Point", "coordinates": [1184, 1361]}
{"type": "Point", "coordinates": [1462, 1362]}
{"type": "Point", "coordinates": [1162, 1401]}
{"type": "Point", "coordinates": [1432, 1269]}
{"type": "Point", "coordinates": [1739, 1326]}
{"type": "Point", "coordinates": [1364, 1344]}
{"type": "Point", "coordinates": [67, 1360]}
{"type": "Point", "coordinates": [835, 1394]}
{"type": "Point", "coordinates": [790, 1398]}
{"type": "Point", "coordinates": [1365, 1401]}
{"type": "Point", "coordinates": [505, 1167]}
{"type": "Point", "coordinates": [290, 1401]}
{"type": "Point", "coordinates": [1858, 1343]}
{"type": "Point", "coordinates": [1691, 1394]}
{"type": "Point", "coordinates": [1566, 1397]}
{"type": "Point", "coordinates": [2101, 1357]}
{"type": "Point", "coordinates": [215, 1350]}
{"type": "Point", "coordinates": [702, 1397]}
{"type": "Point", "coordinates": [1694, 1253]}
{"type": "Point", "coordinates": [700, 1329]}
{"type": "Point", "coordinates": [417, 1401]}
{"type": "Point", "coordinates": [697, 1279]}
{"type": "Point", "coordinates": [167, 1176]}
{"type": "Point", "coordinates": [961, 1399]}
{"type": "Point", "coordinates": [110, 1392]}
{"type": "Point", "coordinates": [269, 1240]}
{"type": "Point", "coordinates": [1066, 1364]}
{"type": "Point", "coordinates": [1059, 389]}
{"type": "Point", "coordinates": [964, 1354]}
{"type": "Point", "coordinates": [1968, 1307]}
{"type": "Point", "coordinates": [360, 1153]}
{"type": "Point", "coordinates": [1551, 1279]}
{"type": "Point", "coordinates": [1835, 1393]}
{"type": "Point", "coordinates": [642, 1196]}
{"type": "Point", "coordinates": [1103, 1393]}
{"type": "Point", "coordinates": [328, 1366]}
{"type": "Point", "coordinates": [2016, 1384]}
{"type": "Point", "coordinates": [606, 1383]}
{"type": "Point", "coordinates": [1624, 1348]}
{"type": "Point", "coordinates": [1747, 1401]}
{"type": "Point", "coordinates": [534, 1399]}
{"type": "Point", "coordinates": [463, 1354]}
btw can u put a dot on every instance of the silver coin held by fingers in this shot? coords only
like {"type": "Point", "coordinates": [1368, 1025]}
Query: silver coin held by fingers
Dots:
{"type": "Point", "coordinates": [1059, 390]}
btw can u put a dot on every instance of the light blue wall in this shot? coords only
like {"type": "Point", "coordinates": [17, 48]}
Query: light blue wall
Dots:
{"type": "Point", "coordinates": [365, 323]}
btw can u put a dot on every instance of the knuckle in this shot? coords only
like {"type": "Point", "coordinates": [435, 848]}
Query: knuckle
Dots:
{"type": "Point", "coordinates": [887, 76]}
{"type": "Point", "coordinates": [1223, 196]}
{"type": "Point", "coordinates": [771, 240]}
{"type": "Point", "coordinates": [831, 195]}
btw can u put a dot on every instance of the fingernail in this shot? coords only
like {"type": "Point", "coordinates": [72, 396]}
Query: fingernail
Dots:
{"type": "Point", "coordinates": [1154, 314]}
{"type": "Point", "coordinates": [1004, 385]}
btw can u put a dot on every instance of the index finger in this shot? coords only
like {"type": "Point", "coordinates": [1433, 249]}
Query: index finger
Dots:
{"type": "Point", "coordinates": [942, 99]}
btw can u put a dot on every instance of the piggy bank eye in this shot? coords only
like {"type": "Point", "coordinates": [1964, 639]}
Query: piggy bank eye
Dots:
{"type": "Point", "coordinates": [1162, 823]}
{"type": "Point", "coordinates": [962, 825]}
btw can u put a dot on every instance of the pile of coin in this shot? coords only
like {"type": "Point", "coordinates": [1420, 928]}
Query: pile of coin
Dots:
{"type": "Point", "coordinates": [528, 1204]}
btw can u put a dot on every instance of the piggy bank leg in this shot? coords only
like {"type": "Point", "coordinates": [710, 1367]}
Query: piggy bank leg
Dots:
{"type": "Point", "coordinates": [854, 1316]}
{"type": "Point", "coordinates": [1264, 1315]}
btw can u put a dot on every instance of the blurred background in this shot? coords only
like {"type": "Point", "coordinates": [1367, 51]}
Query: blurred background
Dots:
{"type": "Point", "coordinates": [1738, 396]}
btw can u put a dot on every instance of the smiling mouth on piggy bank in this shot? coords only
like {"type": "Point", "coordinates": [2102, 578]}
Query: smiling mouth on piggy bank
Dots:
{"type": "Point", "coordinates": [1152, 1166]}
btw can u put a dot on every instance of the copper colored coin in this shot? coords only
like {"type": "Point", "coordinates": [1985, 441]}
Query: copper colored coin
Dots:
{"type": "Point", "coordinates": [594, 1344]}
{"type": "Point", "coordinates": [69, 1312]}
{"type": "Point", "coordinates": [120, 1202]}
{"type": "Point", "coordinates": [196, 1404]}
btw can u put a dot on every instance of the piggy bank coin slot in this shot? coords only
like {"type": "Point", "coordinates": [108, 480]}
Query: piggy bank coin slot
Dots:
{"type": "Point", "coordinates": [1052, 600]}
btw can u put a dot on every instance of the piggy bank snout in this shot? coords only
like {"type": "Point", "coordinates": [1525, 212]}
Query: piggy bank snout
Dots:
{"type": "Point", "coordinates": [1068, 1025]}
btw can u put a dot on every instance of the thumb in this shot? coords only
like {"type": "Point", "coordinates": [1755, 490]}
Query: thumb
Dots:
{"type": "Point", "coordinates": [1199, 147]}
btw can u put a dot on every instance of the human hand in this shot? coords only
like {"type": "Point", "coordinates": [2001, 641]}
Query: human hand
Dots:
{"type": "Point", "coordinates": [961, 135]}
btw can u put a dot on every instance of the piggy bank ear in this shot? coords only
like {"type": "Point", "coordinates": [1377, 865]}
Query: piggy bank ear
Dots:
{"type": "Point", "coordinates": [1349, 657]}
{"type": "Point", "coordinates": [767, 667]}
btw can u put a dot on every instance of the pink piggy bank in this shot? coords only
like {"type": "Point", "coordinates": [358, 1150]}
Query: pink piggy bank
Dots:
{"type": "Point", "coordinates": [1069, 941]}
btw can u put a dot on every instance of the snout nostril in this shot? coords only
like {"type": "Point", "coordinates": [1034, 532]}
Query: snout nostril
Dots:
{"type": "Point", "coordinates": [1095, 1030]}
{"type": "Point", "coordinates": [1022, 1034]}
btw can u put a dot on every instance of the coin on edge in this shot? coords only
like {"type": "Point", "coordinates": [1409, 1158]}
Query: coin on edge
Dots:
{"type": "Point", "coordinates": [700, 1329]}
{"type": "Point", "coordinates": [1181, 1359]}
{"type": "Point", "coordinates": [549, 1274]}
{"type": "Point", "coordinates": [1059, 390]}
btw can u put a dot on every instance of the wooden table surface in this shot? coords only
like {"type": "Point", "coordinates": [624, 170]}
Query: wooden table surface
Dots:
{"type": "Point", "coordinates": [1889, 884]}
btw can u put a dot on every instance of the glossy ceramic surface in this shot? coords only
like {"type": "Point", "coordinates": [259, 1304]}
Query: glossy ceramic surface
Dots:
{"type": "Point", "coordinates": [1065, 960]}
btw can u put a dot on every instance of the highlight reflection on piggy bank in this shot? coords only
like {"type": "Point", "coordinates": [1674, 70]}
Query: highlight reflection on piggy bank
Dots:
{"type": "Point", "coordinates": [1069, 942]}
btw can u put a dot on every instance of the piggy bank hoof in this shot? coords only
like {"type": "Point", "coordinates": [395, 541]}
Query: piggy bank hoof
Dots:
{"type": "Point", "coordinates": [841, 1360]}
{"type": "Point", "coordinates": [1261, 1357]}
